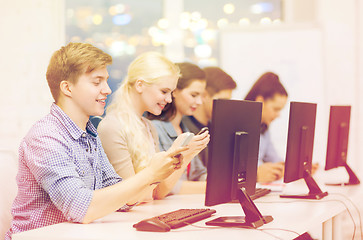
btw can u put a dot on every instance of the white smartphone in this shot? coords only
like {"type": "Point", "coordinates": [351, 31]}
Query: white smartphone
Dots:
{"type": "Point", "coordinates": [187, 139]}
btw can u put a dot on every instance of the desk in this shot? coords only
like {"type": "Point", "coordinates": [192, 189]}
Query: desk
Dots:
{"type": "Point", "coordinates": [289, 214]}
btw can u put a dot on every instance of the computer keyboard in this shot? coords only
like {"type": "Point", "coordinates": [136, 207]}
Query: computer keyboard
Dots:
{"type": "Point", "coordinates": [172, 220]}
{"type": "Point", "coordinates": [260, 192]}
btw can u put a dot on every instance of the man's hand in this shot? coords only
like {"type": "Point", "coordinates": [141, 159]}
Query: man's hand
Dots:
{"type": "Point", "coordinates": [163, 164]}
{"type": "Point", "coordinates": [269, 172]}
{"type": "Point", "coordinates": [314, 168]}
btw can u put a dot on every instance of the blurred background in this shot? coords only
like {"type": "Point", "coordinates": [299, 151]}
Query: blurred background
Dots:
{"type": "Point", "coordinates": [315, 46]}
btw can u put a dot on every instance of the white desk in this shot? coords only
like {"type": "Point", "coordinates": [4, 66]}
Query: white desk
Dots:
{"type": "Point", "coordinates": [289, 214]}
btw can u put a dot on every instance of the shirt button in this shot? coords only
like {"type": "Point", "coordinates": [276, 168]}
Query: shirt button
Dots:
{"type": "Point", "coordinates": [95, 149]}
{"type": "Point", "coordinates": [83, 134]}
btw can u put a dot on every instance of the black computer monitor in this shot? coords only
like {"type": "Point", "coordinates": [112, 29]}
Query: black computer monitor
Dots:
{"type": "Point", "coordinates": [337, 148]}
{"type": "Point", "coordinates": [233, 156]}
{"type": "Point", "coordinates": [299, 152]}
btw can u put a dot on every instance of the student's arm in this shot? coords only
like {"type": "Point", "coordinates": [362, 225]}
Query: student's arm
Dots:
{"type": "Point", "coordinates": [269, 172]}
{"type": "Point", "coordinates": [197, 144]}
{"type": "Point", "coordinates": [193, 187]}
{"type": "Point", "coordinates": [111, 198]}
{"type": "Point", "coordinates": [62, 169]}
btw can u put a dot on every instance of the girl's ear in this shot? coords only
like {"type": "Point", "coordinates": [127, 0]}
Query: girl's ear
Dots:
{"type": "Point", "coordinates": [175, 93]}
{"type": "Point", "coordinates": [139, 86]}
{"type": "Point", "coordinates": [66, 88]}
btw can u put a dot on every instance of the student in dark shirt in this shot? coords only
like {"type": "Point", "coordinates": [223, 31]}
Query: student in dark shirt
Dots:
{"type": "Point", "coordinates": [219, 86]}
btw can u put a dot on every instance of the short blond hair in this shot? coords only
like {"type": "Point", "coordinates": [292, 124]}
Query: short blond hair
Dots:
{"type": "Point", "coordinates": [71, 61]}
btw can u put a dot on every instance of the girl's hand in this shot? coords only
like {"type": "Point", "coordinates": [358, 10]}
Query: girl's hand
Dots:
{"type": "Point", "coordinates": [199, 142]}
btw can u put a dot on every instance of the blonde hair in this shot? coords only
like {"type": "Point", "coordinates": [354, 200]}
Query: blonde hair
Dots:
{"type": "Point", "coordinates": [72, 60]}
{"type": "Point", "coordinates": [149, 67]}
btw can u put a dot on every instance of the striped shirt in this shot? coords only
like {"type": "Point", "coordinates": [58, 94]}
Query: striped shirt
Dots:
{"type": "Point", "coordinates": [60, 166]}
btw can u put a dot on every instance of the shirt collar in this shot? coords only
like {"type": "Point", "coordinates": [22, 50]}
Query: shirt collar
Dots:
{"type": "Point", "coordinates": [169, 128]}
{"type": "Point", "coordinates": [263, 128]}
{"type": "Point", "coordinates": [75, 131]}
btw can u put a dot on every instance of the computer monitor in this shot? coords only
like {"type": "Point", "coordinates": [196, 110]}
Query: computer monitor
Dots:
{"type": "Point", "coordinates": [337, 148]}
{"type": "Point", "coordinates": [299, 152]}
{"type": "Point", "coordinates": [233, 156]}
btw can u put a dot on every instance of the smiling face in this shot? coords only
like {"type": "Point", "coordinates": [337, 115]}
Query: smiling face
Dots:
{"type": "Point", "coordinates": [188, 99]}
{"type": "Point", "coordinates": [156, 96]}
{"type": "Point", "coordinates": [90, 92]}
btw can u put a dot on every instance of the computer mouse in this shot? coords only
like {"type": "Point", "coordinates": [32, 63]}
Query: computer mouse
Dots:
{"type": "Point", "coordinates": [152, 225]}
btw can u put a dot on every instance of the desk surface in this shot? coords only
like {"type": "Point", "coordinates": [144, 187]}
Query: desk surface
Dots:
{"type": "Point", "coordinates": [291, 216]}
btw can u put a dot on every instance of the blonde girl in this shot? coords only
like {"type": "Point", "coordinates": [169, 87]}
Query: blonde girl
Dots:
{"type": "Point", "coordinates": [129, 139]}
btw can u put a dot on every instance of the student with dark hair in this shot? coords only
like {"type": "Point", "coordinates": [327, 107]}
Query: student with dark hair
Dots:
{"type": "Point", "coordinates": [64, 174]}
{"type": "Point", "coordinates": [219, 86]}
{"type": "Point", "coordinates": [269, 90]}
{"type": "Point", "coordinates": [129, 139]}
{"type": "Point", "coordinates": [187, 97]}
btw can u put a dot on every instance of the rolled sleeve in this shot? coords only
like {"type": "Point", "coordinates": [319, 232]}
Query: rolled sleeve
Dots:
{"type": "Point", "coordinates": [66, 181]}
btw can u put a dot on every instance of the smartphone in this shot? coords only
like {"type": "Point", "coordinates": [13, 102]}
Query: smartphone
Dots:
{"type": "Point", "coordinates": [187, 139]}
{"type": "Point", "coordinates": [203, 130]}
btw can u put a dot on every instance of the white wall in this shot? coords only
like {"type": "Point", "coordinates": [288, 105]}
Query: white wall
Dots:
{"type": "Point", "coordinates": [317, 58]}
{"type": "Point", "coordinates": [340, 23]}
{"type": "Point", "coordinates": [294, 53]}
{"type": "Point", "coordinates": [30, 32]}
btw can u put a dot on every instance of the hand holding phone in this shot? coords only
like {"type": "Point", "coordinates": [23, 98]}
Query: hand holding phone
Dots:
{"type": "Point", "coordinates": [203, 130]}
{"type": "Point", "coordinates": [187, 139]}
{"type": "Point", "coordinates": [188, 136]}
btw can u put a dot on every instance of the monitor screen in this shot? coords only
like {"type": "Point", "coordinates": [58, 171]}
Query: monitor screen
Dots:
{"type": "Point", "coordinates": [299, 152]}
{"type": "Point", "coordinates": [337, 147]}
{"type": "Point", "coordinates": [233, 156]}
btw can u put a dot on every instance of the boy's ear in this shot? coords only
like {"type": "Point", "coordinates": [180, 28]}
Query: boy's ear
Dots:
{"type": "Point", "coordinates": [259, 98]}
{"type": "Point", "coordinates": [65, 88]}
{"type": "Point", "coordinates": [207, 97]}
{"type": "Point", "coordinates": [139, 85]}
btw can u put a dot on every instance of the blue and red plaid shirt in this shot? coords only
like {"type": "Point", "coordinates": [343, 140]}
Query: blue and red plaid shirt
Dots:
{"type": "Point", "coordinates": [60, 166]}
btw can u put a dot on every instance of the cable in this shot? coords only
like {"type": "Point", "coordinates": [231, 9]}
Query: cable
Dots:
{"type": "Point", "coordinates": [350, 214]}
{"type": "Point", "coordinates": [327, 200]}
{"type": "Point", "coordinates": [357, 210]}
{"type": "Point", "coordinates": [280, 229]}
{"type": "Point", "coordinates": [264, 230]}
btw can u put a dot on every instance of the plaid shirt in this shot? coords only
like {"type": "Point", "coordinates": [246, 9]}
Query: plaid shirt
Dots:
{"type": "Point", "coordinates": [60, 166]}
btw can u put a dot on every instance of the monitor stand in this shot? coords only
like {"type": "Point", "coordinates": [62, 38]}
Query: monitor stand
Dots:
{"type": "Point", "coordinates": [314, 190]}
{"type": "Point", "coordinates": [353, 179]}
{"type": "Point", "coordinates": [252, 219]}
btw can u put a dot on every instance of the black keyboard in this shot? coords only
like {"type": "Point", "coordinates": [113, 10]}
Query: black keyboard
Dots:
{"type": "Point", "coordinates": [260, 192]}
{"type": "Point", "coordinates": [172, 220]}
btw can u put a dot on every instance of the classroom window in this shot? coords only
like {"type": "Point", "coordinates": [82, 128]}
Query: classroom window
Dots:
{"type": "Point", "coordinates": [202, 20]}
{"type": "Point", "coordinates": [120, 28]}
{"type": "Point", "coordinates": [126, 28]}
